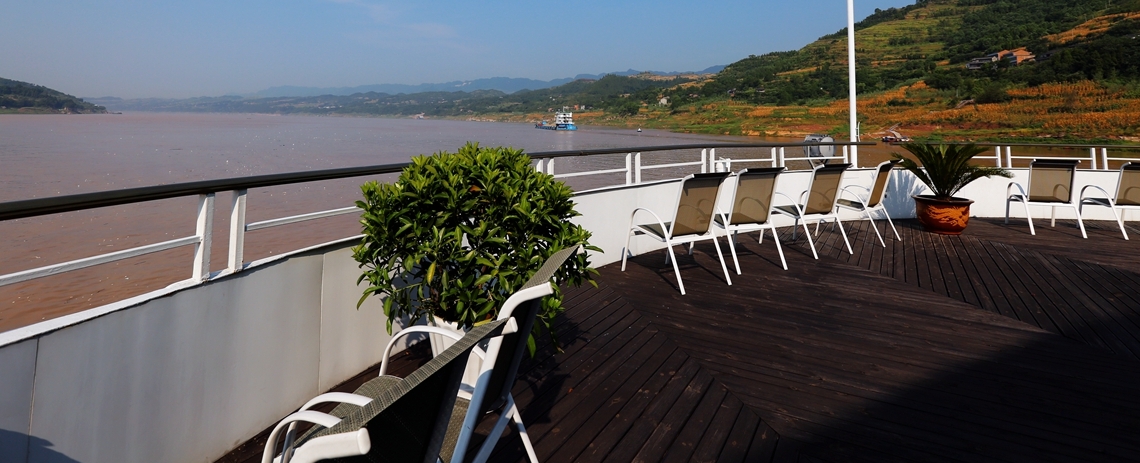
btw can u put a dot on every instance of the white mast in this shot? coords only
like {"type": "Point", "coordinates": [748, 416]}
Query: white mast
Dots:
{"type": "Point", "coordinates": [851, 79]}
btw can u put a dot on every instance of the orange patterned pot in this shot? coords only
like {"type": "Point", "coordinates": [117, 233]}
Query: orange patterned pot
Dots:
{"type": "Point", "coordinates": [947, 217]}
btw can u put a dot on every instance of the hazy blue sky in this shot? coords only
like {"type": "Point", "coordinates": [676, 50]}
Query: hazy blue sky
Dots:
{"type": "Point", "coordinates": [156, 48]}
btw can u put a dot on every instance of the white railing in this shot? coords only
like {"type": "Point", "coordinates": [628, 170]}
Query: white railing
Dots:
{"type": "Point", "coordinates": [201, 241]}
{"type": "Point", "coordinates": [1097, 159]}
{"type": "Point", "coordinates": [709, 162]}
{"type": "Point", "coordinates": [633, 169]}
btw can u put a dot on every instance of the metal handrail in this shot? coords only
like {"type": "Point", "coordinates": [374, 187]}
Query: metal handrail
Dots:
{"type": "Point", "coordinates": [68, 203]}
{"type": "Point", "coordinates": [207, 190]}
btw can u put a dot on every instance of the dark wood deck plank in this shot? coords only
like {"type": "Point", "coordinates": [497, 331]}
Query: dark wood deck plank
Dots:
{"type": "Point", "coordinates": [695, 426]}
{"type": "Point", "coordinates": [991, 346]}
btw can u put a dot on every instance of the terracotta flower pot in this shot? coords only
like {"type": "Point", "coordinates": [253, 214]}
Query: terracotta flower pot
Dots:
{"type": "Point", "coordinates": [947, 217]}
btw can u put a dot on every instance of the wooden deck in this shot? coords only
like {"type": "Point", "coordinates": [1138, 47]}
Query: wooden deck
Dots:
{"type": "Point", "coordinates": [991, 346]}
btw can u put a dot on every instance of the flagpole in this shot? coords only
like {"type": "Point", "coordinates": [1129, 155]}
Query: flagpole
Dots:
{"type": "Point", "coordinates": [851, 80]}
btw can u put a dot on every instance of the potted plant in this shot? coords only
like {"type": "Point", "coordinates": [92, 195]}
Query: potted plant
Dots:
{"type": "Point", "coordinates": [458, 233]}
{"type": "Point", "coordinates": [945, 169]}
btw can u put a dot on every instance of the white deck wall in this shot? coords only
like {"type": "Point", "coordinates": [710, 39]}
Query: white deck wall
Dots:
{"type": "Point", "coordinates": [187, 376]}
{"type": "Point", "coordinates": [184, 375]}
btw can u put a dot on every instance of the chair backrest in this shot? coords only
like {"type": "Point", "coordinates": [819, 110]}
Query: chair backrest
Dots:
{"type": "Point", "coordinates": [824, 190]}
{"type": "Point", "coordinates": [752, 202]}
{"type": "Point", "coordinates": [697, 203]}
{"type": "Point", "coordinates": [408, 422]}
{"type": "Point", "coordinates": [1051, 180]}
{"type": "Point", "coordinates": [514, 344]}
{"type": "Point", "coordinates": [1128, 190]}
{"type": "Point", "coordinates": [882, 178]}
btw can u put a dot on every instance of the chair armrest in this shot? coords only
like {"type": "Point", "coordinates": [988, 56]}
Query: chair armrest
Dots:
{"type": "Point", "coordinates": [1111, 203]}
{"type": "Point", "coordinates": [1009, 189]}
{"type": "Point", "coordinates": [799, 208]}
{"type": "Point", "coordinates": [655, 216]}
{"type": "Point", "coordinates": [533, 292]}
{"type": "Point", "coordinates": [309, 416]}
{"type": "Point", "coordinates": [347, 444]}
{"type": "Point", "coordinates": [338, 397]}
{"type": "Point", "coordinates": [411, 330]}
{"type": "Point", "coordinates": [861, 199]}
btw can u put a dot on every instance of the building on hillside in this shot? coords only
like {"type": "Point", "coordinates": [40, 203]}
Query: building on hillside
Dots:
{"type": "Point", "coordinates": [1013, 57]}
{"type": "Point", "coordinates": [1018, 56]}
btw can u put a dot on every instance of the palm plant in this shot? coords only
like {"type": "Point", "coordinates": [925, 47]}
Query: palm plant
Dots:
{"type": "Point", "coordinates": [945, 169]}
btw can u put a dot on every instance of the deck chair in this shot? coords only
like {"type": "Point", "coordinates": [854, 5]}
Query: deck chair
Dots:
{"type": "Point", "coordinates": [492, 393]}
{"type": "Point", "coordinates": [387, 419]}
{"type": "Point", "coordinates": [818, 203]}
{"type": "Point", "coordinates": [872, 199]}
{"type": "Point", "coordinates": [692, 221]}
{"type": "Point", "coordinates": [1127, 195]}
{"type": "Point", "coordinates": [751, 209]}
{"type": "Point", "coordinates": [1050, 184]}
{"type": "Point", "coordinates": [497, 372]}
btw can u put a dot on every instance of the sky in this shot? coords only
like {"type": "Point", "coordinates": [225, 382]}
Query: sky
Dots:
{"type": "Point", "coordinates": [165, 49]}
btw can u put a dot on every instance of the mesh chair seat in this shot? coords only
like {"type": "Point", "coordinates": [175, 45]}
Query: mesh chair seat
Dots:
{"type": "Point", "coordinates": [1127, 195]}
{"type": "Point", "coordinates": [692, 221]}
{"type": "Point", "coordinates": [1051, 184]}
{"type": "Point", "coordinates": [819, 203]}
{"type": "Point", "coordinates": [850, 204]}
{"type": "Point", "coordinates": [789, 209]}
{"type": "Point", "coordinates": [751, 209]}
{"type": "Point", "coordinates": [658, 230]}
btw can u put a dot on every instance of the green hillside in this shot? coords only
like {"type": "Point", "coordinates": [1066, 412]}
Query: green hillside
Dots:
{"type": "Point", "coordinates": [932, 40]}
{"type": "Point", "coordinates": [22, 97]}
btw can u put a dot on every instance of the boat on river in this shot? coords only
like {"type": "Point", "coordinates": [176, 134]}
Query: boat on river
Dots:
{"type": "Point", "coordinates": [563, 120]}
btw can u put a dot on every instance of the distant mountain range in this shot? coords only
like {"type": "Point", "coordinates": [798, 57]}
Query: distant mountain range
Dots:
{"type": "Point", "coordinates": [502, 84]}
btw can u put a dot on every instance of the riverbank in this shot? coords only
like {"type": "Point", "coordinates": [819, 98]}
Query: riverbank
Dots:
{"type": "Point", "coordinates": [1081, 112]}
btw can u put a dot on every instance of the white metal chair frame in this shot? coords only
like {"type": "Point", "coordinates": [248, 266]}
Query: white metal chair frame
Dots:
{"type": "Point", "coordinates": [798, 208]}
{"type": "Point", "coordinates": [867, 204]}
{"type": "Point", "coordinates": [732, 229]}
{"type": "Point", "coordinates": [342, 446]}
{"type": "Point", "coordinates": [1112, 203]}
{"type": "Point", "coordinates": [358, 442]}
{"type": "Point", "coordinates": [668, 227]}
{"type": "Point", "coordinates": [1026, 200]}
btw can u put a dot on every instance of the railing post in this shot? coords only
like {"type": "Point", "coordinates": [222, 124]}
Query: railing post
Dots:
{"type": "Point", "coordinates": [538, 167]}
{"type": "Point", "coordinates": [997, 155]}
{"type": "Point", "coordinates": [1008, 156]}
{"type": "Point", "coordinates": [854, 157]}
{"type": "Point", "coordinates": [1092, 158]}
{"type": "Point", "coordinates": [846, 156]}
{"type": "Point", "coordinates": [1104, 157]}
{"type": "Point", "coordinates": [237, 231]}
{"type": "Point", "coordinates": [204, 229]}
{"type": "Point", "coordinates": [637, 168]}
{"type": "Point", "coordinates": [550, 166]}
{"type": "Point", "coordinates": [774, 158]}
{"type": "Point", "coordinates": [781, 158]}
{"type": "Point", "coordinates": [628, 168]}
{"type": "Point", "coordinates": [712, 160]}
{"type": "Point", "coordinates": [705, 163]}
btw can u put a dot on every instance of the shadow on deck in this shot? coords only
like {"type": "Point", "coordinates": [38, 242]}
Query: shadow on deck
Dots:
{"type": "Point", "coordinates": [991, 346]}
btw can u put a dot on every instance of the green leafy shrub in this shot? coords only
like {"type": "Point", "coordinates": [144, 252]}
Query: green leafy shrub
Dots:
{"type": "Point", "coordinates": [458, 233]}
